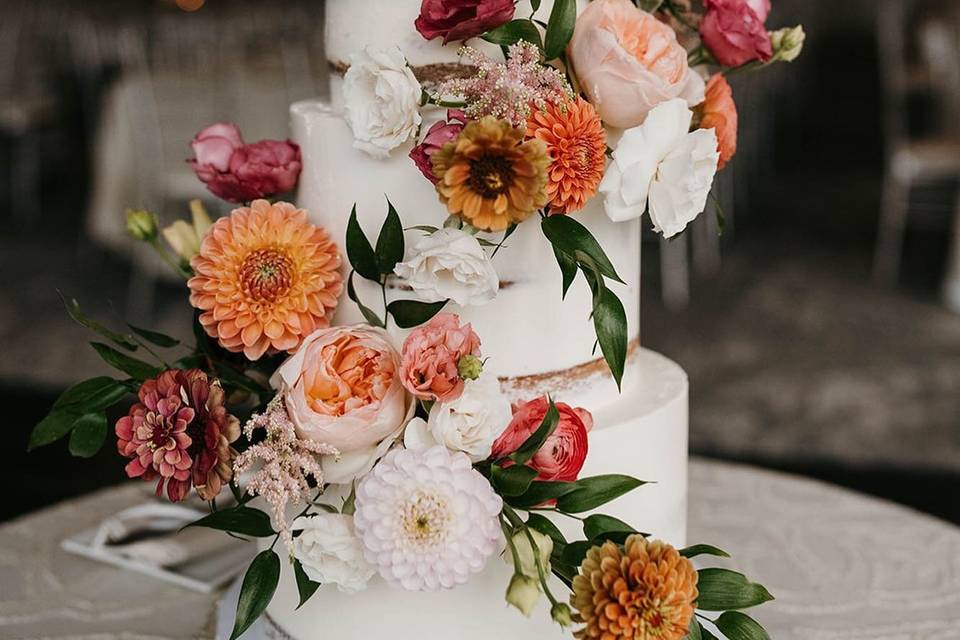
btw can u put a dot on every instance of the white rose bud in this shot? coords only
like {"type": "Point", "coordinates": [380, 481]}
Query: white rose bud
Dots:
{"type": "Point", "coordinates": [787, 43]}
{"type": "Point", "coordinates": [561, 614]}
{"type": "Point", "coordinates": [472, 422]}
{"type": "Point", "coordinates": [528, 563]}
{"type": "Point", "coordinates": [523, 593]}
{"type": "Point", "coordinates": [330, 552]}
{"type": "Point", "coordinates": [381, 100]}
{"type": "Point", "coordinates": [450, 263]}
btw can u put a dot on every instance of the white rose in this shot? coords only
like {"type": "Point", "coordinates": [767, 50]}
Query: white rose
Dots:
{"type": "Point", "coordinates": [450, 263]}
{"type": "Point", "coordinates": [664, 163]}
{"type": "Point", "coordinates": [469, 424]}
{"type": "Point", "coordinates": [330, 552]}
{"type": "Point", "coordinates": [381, 100]}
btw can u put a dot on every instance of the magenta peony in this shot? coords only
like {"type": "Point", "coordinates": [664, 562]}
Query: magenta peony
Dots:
{"type": "Point", "coordinates": [239, 172]}
{"type": "Point", "coordinates": [438, 135]}
{"type": "Point", "coordinates": [734, 32]}
{"type": "Point", "coordinates": [561, 457]}
{"type": "Point", "coordinates": [461, 19]}
{"type": "Point", "coordinates": [431, 355]}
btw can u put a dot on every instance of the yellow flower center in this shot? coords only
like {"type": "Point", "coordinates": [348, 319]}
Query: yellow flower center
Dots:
{"type": "Point", "coordinates": [490, 175]}
{"type": "Point", "coordinates": [425, 518]}
{"type": "Point", "coordinates": [267, 274]}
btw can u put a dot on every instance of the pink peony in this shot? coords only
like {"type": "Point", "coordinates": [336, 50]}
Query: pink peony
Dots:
{"type": "Point", "coordinates": [461, 19]}
{"type": "Point", "coordinates": [240, 172]}
{"type": "Point", "coordinates": [431, 353]}
{"type": "Point", "coordinates": [438, 135]}
{"type": "Point", "coordinates": [734, 32]}
{"type": "Point", "coordinates": [561, 457]}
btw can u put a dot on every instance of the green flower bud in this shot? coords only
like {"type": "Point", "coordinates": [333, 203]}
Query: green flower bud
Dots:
{"type": "Point", "coordinates": [470, 367]}
{"type": "Point", "coordinates": [561, 614]}
{"type": "Point", "coordinates": [528, 562]}
{"type": "Point", "coordinates": [787, 43]}
{"type": "Point", "coordinates": [141, 224]}
{"type": "Point", "coordinates": [523, 593]}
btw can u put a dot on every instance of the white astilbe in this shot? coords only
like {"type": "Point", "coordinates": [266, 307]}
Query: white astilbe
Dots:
{"type": "Point", "coordinates": [285, 461]}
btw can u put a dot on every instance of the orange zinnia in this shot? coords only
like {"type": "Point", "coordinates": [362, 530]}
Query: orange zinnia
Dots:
{"type": "Point", "coordinates": [265, 279]}
{"type": "Point", "coordinates": [577, 142]}
{"type": "Point", "coordinates": [719, 112]}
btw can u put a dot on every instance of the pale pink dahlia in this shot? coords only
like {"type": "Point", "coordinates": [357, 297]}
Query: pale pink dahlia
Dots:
{"type": "Point", "coordinates": [427, 519]}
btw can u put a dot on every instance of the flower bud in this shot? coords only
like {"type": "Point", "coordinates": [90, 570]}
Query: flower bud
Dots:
{"type": "Point", "coordinates": [787, 43]}
{"type": "Point", "coordinates": [469, 367]}
{"type": "Point", "coordinates": [141, 224]}
{"type": "Point", "coordinates": [523, 593]}
{"type": "Point", "coordinates": [185, 238]}
{"type": "Point", "coordinates": [528, 565]}
{"type": "Point", "coordinates": [561, 614]}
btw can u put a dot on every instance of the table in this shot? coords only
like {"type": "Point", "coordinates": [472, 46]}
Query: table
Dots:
{"type": "Point", "coordinates": [843, 566]}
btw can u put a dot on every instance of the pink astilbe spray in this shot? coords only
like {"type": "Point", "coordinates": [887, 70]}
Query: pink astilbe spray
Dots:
{"type": "Point", "coordinates": [508, 90]}
{"type": "Point", "coordinates": [285, 463]}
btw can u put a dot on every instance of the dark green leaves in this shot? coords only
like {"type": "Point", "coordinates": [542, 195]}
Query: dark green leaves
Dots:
{"type": "Point", "coordinates": [88, 435]}
{"type": "Point", "coordinates": [390, 241]}
{"type": "Point", "coordinates": [368, 314]}
{"type": "Point", "coordinates": [545, 526]}
{"type": "Point", "coordinates": [95, 394]}
{"type": "Point", "coordinates": [305, 586]}
{"type": "Point", "coordinates": [703, 549]}
{"type": "Point", "coordinates": [512, 481]}
{"type": "Point", "coordinates": [83, 400]}
{"type": "Point", "coordinates": [136, 369]}
{"type": "Point", "coordinates": [359, 252]}
{"type": "Point", "coordinates": [531, 445]}
{"type": "Point", "coordinates": [610, 325]}
{"type": "Point", "coordinates": [739, 626]}
{"type": "Point", "coordinates": [514, 31]}
{"type": "Point", "coordinates": [722, 589]}
{"type": "Point", "coordinates": [539, 492]}
{"type": "Point", "coordinates": [563, 17]}
{"type": "Point", "coordinates": [601, 526]}
{"type": "Point", "coordinates": [410, 313]}
{"type": "Point", "coordinates": [53, 427]}
{"type": "Point", "coordinates": [154, 337]}
{"type": "Point", "coordinates": [595, 491]}
{"type": "Point", "coordinates": [259, 584]}
{"type": "Point", "coordinates": [569, 236]}
{"type": "Point", "coordinates": [375, 264]}
{"type": "Point", "coordinates": [568, 269]}
{"type": "Point", "coordinates": [73, 308]}
{"type": "Point", "coordinates": [242, 520]}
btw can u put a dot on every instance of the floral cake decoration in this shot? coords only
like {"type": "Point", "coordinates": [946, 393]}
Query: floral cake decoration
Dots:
{"type": "Point", "coordinates": [355, 456]}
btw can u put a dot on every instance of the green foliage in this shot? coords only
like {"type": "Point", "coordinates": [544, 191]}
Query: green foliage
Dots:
{"type": "Point", "coordinates": [723, 590]}
{"type": "Point", "coordinates": [563, 17]}
{"type": "Point", "coordinates": [83, 399]}
{"type": "Point", "coordinates": [88, 435]}
{"type": "Point", "coordinates": [513, 480]}
{"type": "Point", "coordinates": [598, 525]}
{"type": "Point", "coordinates": [154, 337]}
{"type": "Point", "coordinates": [596, 491]}
{"type": "Point", "coordinates": [259, 584]}
{"type": "Point", "coordinates": [703, 549]}
{"type": "Point", "coordinates": [390, 245]}
{"type": "Point", "coordinates": [411, 313]}
{"type": "Point", "coordinates": [539, 492]}
{"type": "Point", "coordinates": [515, 31]}
{"type": "Point", "coordinates": [361, 255]}
{"type": "Point", "coordinates": [242, 520]}
{"type": "Point", "coordinates": [305, 586]}
{"type": "Point", "coordinates": [739, 626]}
{"type": "Point", "coordinates": [136, 369]}
{"type": "Point", "coordinates": [123, 340]}
{"type": "Point", "coordinates": [532, 444]}
{"type": "Point", "coordinates": [368, 314]}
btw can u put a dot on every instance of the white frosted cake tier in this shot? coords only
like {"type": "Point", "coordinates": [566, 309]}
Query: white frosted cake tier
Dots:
{"type": "Point", "coordinates": [528, 331]}
{"type": "Point", "coordinates": [643, 434]}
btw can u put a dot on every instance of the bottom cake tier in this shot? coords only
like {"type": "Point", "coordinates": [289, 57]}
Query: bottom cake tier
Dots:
{"type": "Point", "coordinates": [643, 434]}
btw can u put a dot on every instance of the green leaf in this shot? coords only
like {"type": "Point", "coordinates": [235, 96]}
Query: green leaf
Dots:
{"type": "Point", "coordinates": [560, 28]}
{"type": "Point", "coordinates": [722, 590]}
{"type": "Point", "coordinates": [512, 481]}
{"type": "Point", "coordinates": [694, 632]}
{"type": "Point", "coordinates": [412, 313]}
{"type": "Point", "coordinates": [359, 252]}
{"type": "Point", "coordinates": [305, 586]}
{"type": "Point", "coordinates": [390, 241]}
{"type": "Point", "coordinates": [574, 553]}
{"type": "Point", "coordinates": [259, 584]}
{"type": "Point", "coordinates": [73, 308]}
{"type": "Point", "coordinates": [88, 435]}
{"type": "Point", "coordinates": [53, 427]}
{"type": "Point", "coordinates": [703, 549]}
{"type": "Point", "coordinates": [650, 5]}
{"type": "Point", "coordinates": [369, 314]}
{"type": "Point", "coordinates": [137, 369]}
{"type": "Point", "coordinates": [609, 323]}
{"type": "Point", "coordinates": [545, 526]}
{"type": "Point", "coordinates": [95, 394]}
{"type": "Point", "coordinates": [514, 31]}
{"type": "Point", "coordinates": [596, 491]}
{"type": "Point", "coordinates": [532, 444]}
{"type": "Point", "coordinates": [535, 5]}
{"type": "Point", "coordinates": [230, 377]}
{"type": "Point", "coordinates": [246, 521]}
{"type": "Point", "coordinates": [569, 236]}
{"type": "Point", "coordinates": [154, 337]}
{"type": "Point", "coordinates": [740, 626]}
{"type": "Point", "coordinates": [568, 269]}
{"type": "Point", "coordinates": [599, 526]}
{"type": "Point", "coordinates": [540, 492]}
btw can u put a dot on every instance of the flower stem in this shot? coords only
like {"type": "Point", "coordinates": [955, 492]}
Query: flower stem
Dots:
{"type": "Point", "coordinates": [541, 570]}
{"type": "Point", "coordinates": [166, 257]}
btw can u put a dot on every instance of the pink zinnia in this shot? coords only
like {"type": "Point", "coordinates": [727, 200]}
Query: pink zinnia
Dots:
{"type": "Point", "coordinates": [431, 354]}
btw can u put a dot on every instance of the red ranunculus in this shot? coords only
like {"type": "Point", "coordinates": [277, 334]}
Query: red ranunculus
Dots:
{"type": "Point", "coordinates": [561, 456]}
{"type": "Point", "coordinates": [734, 32]}
{"type": "Point", "coordinates": [461, 19]}
{"type": "Point", "coordinates": [438, 135]}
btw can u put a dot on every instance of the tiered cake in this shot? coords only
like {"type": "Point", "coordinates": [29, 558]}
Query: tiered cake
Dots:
{"type": "Point", "coordinates": [536, 341]}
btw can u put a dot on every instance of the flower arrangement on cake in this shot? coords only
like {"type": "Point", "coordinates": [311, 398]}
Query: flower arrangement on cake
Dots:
{"type": "Point", "coordinates": [375, 450]}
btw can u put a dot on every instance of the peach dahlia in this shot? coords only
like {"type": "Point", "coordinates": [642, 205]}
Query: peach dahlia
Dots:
{"type": "Point", "coordinates": [265, 279]}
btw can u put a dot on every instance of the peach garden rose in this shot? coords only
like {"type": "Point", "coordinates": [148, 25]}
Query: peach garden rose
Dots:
{"type": "Point", "coordinates": [431, 357]}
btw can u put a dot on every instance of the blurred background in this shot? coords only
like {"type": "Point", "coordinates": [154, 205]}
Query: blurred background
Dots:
{"type": "Point", "coordinates": [820, 332]}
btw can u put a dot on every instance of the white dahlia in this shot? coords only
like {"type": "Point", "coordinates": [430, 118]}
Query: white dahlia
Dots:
{"type": "Point", "coordinates": [427, 519]}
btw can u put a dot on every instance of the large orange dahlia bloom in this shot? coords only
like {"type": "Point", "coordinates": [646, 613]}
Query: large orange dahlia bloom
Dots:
{"type": "Point", "coordinates": [265, 279]}
{"type": "Point", "coordinates": [577, 142]}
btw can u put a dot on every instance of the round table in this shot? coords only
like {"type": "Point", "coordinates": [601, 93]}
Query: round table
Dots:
{"type": "Point", "coordinates": [842, 566]}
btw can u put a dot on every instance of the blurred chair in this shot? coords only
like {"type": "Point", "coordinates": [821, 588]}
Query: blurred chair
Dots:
{"type": "Point", "coordinates": [912, 162]}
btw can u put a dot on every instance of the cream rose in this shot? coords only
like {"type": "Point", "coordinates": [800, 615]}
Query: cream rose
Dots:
{"type": "Point", "coordinates": [342, 388]}
{"type": "Point", "coordinates": [628, 62]}
{"type": "Point", "coordinates": [330, 551]}
{"type": "Point", "coordinates": [450, 263]}
{"type": "Point", "coordinates": [381, 100]}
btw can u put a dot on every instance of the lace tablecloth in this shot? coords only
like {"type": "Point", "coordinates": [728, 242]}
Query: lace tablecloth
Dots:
{"type": "Point", "coordinates": [843, 566]}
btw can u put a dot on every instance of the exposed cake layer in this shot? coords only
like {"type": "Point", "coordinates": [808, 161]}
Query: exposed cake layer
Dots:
{"type": "Point", "coordinates": [643, 434]}
{"type": "Point", "coordinates": [528, 330]}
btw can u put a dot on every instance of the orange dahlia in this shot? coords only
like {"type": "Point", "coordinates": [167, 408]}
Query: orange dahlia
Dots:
{"type": "Point", "coordinates": [645, 591]}
{"type": "Point", "coordinates": [577, 142]}
{"type": "Point", "coordinates": [719, 112]}
{"type": "Point", "coordinates": [265, 279]}
{"type": "Point", "coordinates": [490, 176]}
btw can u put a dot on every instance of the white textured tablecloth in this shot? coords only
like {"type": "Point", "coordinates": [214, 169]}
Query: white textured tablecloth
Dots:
{"type": "Point", "coordinates": [842, 566]}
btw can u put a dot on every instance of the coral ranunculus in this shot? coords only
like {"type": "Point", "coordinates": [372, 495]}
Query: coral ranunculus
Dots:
{"type": "Point", "coordinates": [179, 431]}
{"type": "Point", "coordinates": [490, 176]}
{"type": "Point", "coordinates": [576, 142]}
{"type": "Point", "coordinates": [437, 135]}
{"type": "Point", "coordinates": [430, 355]}
{"type": "Point", "coordinates": [719, 112]}
{"type": "Point", "coordinates": [561, 456]}
{"type": "Point", "coordinates": [628, 62]}
{"type": "Point", "coordinates": [461, 19]}
{"type": "Point", "coordinates": [734, 32]}
{"type": "Point", "coordinates": [265, 279]}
